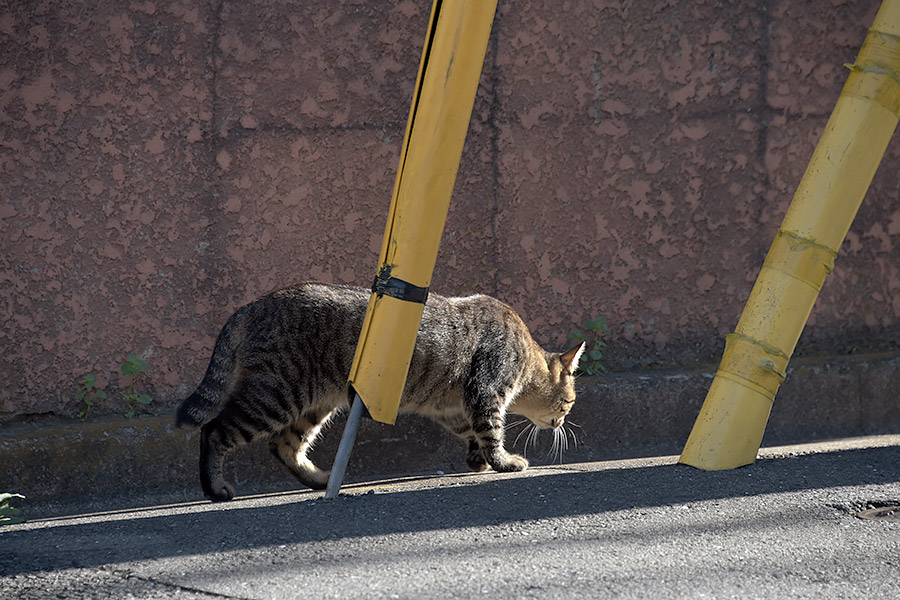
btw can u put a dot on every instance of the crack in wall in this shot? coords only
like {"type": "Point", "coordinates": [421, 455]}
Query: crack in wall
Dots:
{"type": "Point", "coordinates": [762, 111]}
{"type": "Point", "coordinates": [494, 136]}
{"type": "Point", "coordinates": [211, 248]}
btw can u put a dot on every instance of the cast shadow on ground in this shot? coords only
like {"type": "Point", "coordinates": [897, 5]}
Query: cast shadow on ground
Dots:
{"type": "Point", "coordinates": [492, 500]}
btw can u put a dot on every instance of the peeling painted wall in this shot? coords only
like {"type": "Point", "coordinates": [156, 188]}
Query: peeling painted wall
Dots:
{"type": "Point", "coordinates": [162, 163]}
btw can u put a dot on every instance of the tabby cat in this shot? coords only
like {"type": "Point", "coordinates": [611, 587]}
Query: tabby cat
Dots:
{"type": "Point", "coordinates": [280, 364]}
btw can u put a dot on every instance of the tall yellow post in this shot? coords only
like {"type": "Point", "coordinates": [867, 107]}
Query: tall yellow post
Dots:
{"type": "Point", "coordinates": [455, 45]}
{"type": "Point", "coordinates": [435, 134]}
{"type": "Point", "coordinates": [729, 429]}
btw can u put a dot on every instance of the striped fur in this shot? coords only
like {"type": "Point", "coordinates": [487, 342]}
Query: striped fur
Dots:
{"type": "Point", "coordinates": [280, 364]}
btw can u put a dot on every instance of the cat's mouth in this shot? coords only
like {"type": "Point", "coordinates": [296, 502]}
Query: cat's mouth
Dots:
{"type": "Point", "coordinates": [554, 423]}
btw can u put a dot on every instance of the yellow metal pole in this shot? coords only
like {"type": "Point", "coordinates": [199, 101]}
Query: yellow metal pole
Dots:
{"type": "Point", "coordinates": [449, 71]}
{"type": "Point", "coordinates": [729, 429]}
{"type": "Point", "coordinates": [435, 133]}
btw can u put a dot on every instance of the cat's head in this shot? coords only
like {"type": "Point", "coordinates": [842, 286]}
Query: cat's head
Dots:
{"type": "Point", "coordinates": [551, 394]}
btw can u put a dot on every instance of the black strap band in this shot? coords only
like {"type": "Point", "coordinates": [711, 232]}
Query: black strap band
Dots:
{"type": "Point", "coordinates": [385, 285]}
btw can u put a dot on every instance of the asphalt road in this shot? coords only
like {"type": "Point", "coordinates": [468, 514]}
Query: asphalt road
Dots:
{"type": "Point", "coordinates": [785, 527]}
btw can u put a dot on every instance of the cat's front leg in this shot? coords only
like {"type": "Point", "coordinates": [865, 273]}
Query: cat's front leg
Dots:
{"type": "Point", "coordinates": [475, 457]}
{"type": "Point", "coordinates": [460, 425]}
{"type": "Point", "coordinates": [489, 430]}
{"type": "Point", "coordinates": [506, 462]}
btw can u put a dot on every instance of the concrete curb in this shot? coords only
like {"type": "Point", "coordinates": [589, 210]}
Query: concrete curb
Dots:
{"type": "Point", "coordinates": [116, 463]}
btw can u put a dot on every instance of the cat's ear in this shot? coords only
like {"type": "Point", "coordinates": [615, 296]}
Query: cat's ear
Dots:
{"type": "Point", "coordinates": [570, 359]}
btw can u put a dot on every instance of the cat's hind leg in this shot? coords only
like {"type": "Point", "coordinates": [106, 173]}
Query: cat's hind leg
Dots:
{"type": "Point", "coordinates": [215, 443]}
{"type": "Point", "coordinates": [291, 446]}
{"type": "Point", "coordinates": [257, 409]}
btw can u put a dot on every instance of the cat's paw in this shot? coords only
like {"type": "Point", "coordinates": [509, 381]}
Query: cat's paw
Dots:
{"type": "Point", "coordinates": [220, 493]}
{"type": "Point", "coordinates": [315, 480]}
{"type": "Point", "coordinates": [509, 463]}
{"type": "Point", "coordinates": [476, 461]}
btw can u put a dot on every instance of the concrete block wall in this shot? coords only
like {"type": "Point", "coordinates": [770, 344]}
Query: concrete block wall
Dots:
{"type": "Point", "coordinates": [162, 163]}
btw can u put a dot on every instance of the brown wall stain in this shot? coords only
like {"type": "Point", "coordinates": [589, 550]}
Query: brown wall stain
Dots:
{"type": "Point", "coordinates": [162, 163]}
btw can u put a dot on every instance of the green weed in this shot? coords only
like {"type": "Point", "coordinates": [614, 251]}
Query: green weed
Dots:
{"type": "Point", "coordinates": [595, 331]}
{"type": "Point", "coordinates": [88, 395]}
{"type": "Point", "coordinates": [133, 368]}
{"type": "Point", "coordinates": [8, 514]}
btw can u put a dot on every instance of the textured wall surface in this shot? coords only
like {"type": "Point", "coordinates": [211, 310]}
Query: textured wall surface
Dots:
{"type": "Point", "coordinates": [162, 163]}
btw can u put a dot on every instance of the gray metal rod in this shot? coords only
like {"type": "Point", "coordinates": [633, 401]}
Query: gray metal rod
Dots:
{"type": "Point", "coordinates": [346, 446]}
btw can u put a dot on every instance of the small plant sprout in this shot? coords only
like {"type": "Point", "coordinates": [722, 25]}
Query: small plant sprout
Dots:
{"type": "Point", "coordinates": [133, 367]}
{"type": "Point", "coordinates": [8, 514]}
{"type": "Point", "coordinates": [88, 395]}
{"type": "Point", "coordinates": [596, 330]}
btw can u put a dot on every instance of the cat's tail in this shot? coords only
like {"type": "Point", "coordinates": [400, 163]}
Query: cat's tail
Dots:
{"type": "Point", "coordinates": [192, 413]}
{"type": "Point", "coordinates": [201, 406]}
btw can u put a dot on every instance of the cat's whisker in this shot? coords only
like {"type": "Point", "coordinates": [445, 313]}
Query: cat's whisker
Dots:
{"type": "Point", "coordinates": [535, 441]}
{"type": "Point", "coordinates": [515, 424]}
{"type": "Point", "coordinates": [528, 439]}
{"type": "Point", "coordinates": [532, 437]}
{"type": "Point", "coordinates": [562, 444]}
{"type": "Point", "coordinates": [535, 430]}
{"type": "Point", "coordinates": [574, 437]}
{"type": "Point", "coordinates": [521, 433]}
{"type": "Point", "coordinates": [554, 447]}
